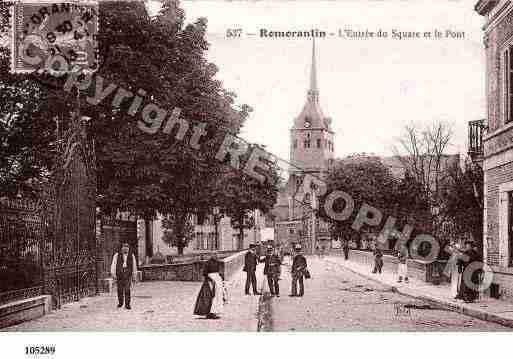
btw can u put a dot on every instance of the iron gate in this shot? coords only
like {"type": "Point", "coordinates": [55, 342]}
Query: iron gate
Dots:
{"type": "Point", "coordinates": [70, 261]}
{"type": "Point", "coordinates": [51, 247]}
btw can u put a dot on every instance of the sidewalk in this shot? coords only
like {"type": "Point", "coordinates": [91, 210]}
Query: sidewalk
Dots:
{"type": "Point", "coordinates": [156, 306]}
{"type": "Point", "coordinates": [493, 310]}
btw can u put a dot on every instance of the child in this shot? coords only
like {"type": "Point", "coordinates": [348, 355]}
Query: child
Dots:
{"type": "Point", "coordinates": [378, 260]}
{"type": "Point", "coordinates": [402, 267]}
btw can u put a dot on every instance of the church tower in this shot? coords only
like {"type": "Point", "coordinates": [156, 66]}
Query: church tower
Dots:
{"type": "Point", "coordinates": [312, 145]}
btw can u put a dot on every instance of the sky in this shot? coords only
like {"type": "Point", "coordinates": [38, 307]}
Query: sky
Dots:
{"type": "Point", "coordinates": [371, 88]}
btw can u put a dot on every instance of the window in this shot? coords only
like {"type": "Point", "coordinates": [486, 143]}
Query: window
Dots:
{"type": "Point", "coordinates": [507, 64]}
{"type": "Point", "coordinates": [307, 141]}
{"type": "Point", "coordinates": [318, 143]}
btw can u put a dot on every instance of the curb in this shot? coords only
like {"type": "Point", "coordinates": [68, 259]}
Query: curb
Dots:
{"type": "Point", "coordinates": [454, 307]}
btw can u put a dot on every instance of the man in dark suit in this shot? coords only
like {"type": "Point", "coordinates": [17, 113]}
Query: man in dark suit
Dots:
{"type": "Point", "coordinates": [250, 264]}
{"type": "Point", "coordinates": [299, 268]}
{"type": "Point", "coordinates": [272, 270]}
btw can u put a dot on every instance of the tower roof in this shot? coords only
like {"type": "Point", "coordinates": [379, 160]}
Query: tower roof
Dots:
{"type": "Point", "coordinates": [312, 110]}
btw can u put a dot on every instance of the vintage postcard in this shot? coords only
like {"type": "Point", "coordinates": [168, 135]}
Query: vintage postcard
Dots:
{"type": "Point", "coordinates": [255, 166]}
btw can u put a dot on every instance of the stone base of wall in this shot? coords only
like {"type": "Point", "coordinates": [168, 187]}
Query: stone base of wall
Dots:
{"type": "Point", "coordinates": [416, 269]}
{"type": "Point", "coordinates": [503, 282]}
{"type": "Point", "coordinates": [24, 310]}
{"type": "Point", "coordinates": [192, 271]}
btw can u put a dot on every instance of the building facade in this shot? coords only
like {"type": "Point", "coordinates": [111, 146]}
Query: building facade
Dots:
{"type": "Point", "coordinates": [204, 237]}
{"type": "Point", "coordinates": [312, 150]}
{"type": "Point", "coordinates": [497, 144]}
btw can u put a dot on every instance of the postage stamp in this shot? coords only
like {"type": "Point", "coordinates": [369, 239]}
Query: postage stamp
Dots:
{"type": "Point", "coordinates": [54, 37]}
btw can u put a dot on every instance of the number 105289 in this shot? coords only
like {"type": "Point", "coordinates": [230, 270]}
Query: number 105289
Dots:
{"type": "Point", "coordinates": [40, 350]}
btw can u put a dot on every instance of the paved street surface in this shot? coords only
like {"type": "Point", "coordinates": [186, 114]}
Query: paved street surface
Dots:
{"type": "Point", "coordinates": [337, 299]}
{"type": "Point", "coordinates": [500, 311]}
{"type": "Point", "coordinates": [164, 306]}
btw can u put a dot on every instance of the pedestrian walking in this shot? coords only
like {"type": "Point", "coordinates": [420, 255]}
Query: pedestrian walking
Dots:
{"type": "Point", "coordinates": [124, 270]}
{"type": "Point", "coordinates": [272, 270]}
{"type": "Point", "coordinates": [378, 260]}
{"type": "Point", "coordinates": [345, 248]}
{"type": "Point", "coordinates": [299, 271]}
{"type": "Point", "coordinates": [250, 265]}
{"type": "Point", "coordinates": [402, 267]}
{"type": "Point", "coordinates": [210, 300]}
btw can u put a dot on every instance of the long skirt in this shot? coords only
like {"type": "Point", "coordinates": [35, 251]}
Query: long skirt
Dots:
{"type": "Point", "coordinates": [455, 282]}
{"type": "Point", "coordinates": [217, 288]}
{"type": "Point", "coordinates": [204, 300]}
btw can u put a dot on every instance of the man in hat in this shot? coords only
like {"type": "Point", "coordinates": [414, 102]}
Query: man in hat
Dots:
{"type": "Point", "coordinates": [272, 270]}
{"type": "Point", "coordinates": [250, 265]}
{"type": "Point", "coordinates": [124, 270]}
{"type": "Point", "coordinates": [299, 267]}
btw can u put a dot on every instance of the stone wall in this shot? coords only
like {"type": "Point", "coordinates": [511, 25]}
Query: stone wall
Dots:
{"type": "Point", "coordinates": [24, 310]}
{"type": "Point", "coordinates": [232, 264]}
{"type": "Point", "coordinates": [416, 269]}
{"type": "Point", "coordinates": [190, 271]}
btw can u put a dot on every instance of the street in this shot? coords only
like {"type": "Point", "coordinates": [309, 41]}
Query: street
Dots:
{"type": "Point", "coordinates": [339, 300]}
{"type": "Point", "coordinates": [336, 299]}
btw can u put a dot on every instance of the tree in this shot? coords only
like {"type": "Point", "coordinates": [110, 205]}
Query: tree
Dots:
{"type": "Point", "coordinates": [463, 201]}
{"type": "Point", "coordinates": [367, 181]}
{"type": "Point", "coordinates": [244, 194]}
{"type": "Point", "coordinates": [28, 119]}
{"type": "Point", "coordinates": [137, 172]}
{"type": "Point", "coordinates": [177, 231]}
{"type": "Point", "coordinates": [422, 153]}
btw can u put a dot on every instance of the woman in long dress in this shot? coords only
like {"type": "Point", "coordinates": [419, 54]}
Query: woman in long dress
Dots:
{"type": "Point", "coordinates": [210, 298]}
{"type": "Point", "coordinates": [455, 274]}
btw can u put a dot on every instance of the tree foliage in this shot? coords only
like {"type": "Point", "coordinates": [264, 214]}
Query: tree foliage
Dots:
{"type": "Point", "coordinates": [463, 201]}
{"type": "Point", "coordinates": [367, 181]}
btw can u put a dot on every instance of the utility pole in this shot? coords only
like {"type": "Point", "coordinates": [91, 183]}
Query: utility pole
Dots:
{"type": "Point", "coordinates": [216, 234]}
{"type": "Point", "coordinates": [314, 220]}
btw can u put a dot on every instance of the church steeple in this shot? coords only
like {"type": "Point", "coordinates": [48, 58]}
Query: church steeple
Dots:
{"type": "Point", "coordinates": [313, 92]}
{"type": "Point", "coordinates": [312, 146]}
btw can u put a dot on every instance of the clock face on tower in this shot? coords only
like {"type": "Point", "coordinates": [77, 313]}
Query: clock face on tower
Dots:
{"type": "Point", "coordinates": [307, 124]}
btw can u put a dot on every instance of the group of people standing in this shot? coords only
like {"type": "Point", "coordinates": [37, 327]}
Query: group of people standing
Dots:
{"type": "Point", "coordinates": [212, 295]}
{"type": "Point", "coordinates": [465, 275]}
{"type": "Point", "coordinates": [272, 270]}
